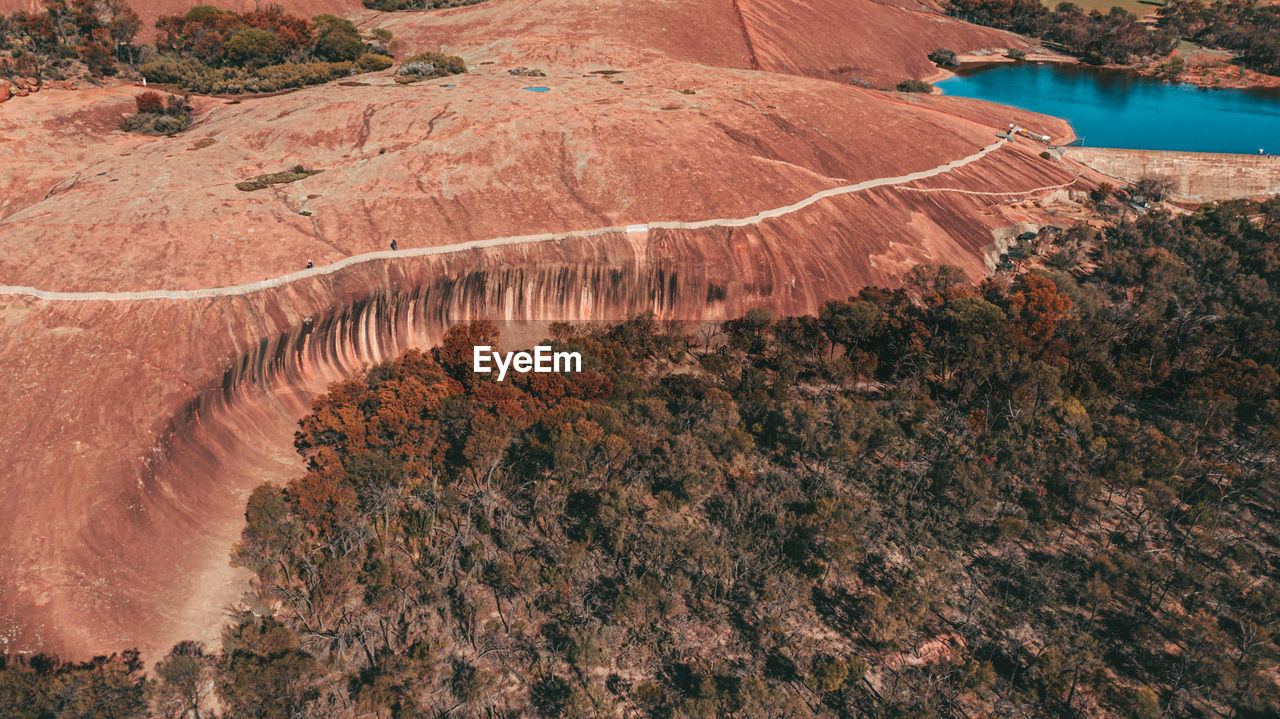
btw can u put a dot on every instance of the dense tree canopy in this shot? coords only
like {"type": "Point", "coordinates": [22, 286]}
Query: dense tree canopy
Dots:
{"type": "Point", "coordinates": [1097, 37]}
{"type": "Point", "coordinates": [98, 33]}
{"type": "Point", "coordinates": [1250, 28]}
{"type": "Point", "coordinates": [206, 49]}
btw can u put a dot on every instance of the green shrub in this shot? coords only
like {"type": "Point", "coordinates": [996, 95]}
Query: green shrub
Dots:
{"type": "Point", "coordinates": [158, 116]}
{"type": "Point", "coordinates": [170, 71]}
{"type": "Point", "coordinates": [170, 125]}
{"type": "Point", "coordinates": [291, 75]}
{"type": "Point", "coordinates": [252, 47]}
{"type": "Point", "coordinates": [148, 123]}
{"type": "Point", "coordinates": [943, 56]}
{"type": "Point", "coordinates": [828, 674]}
{"type": "Point", "coordinates": [194, 76]}
{"type": "Point", "coordinates": [1046, 155]}
{"type": "Point", "coordinates": [372, 62]}
{"type": "Point", "coordinates": [914, 85]}
{"type": "Point", "coordinates": [174, 105]}
{"type": "Point", "coordinates": [335, 39]}
{"type": "Point", "coordinates": [1172, 69]}
{"type": "Point", "coordinates": [1016, 54]}
{"type": "Point", "coordinates": [432, 64]}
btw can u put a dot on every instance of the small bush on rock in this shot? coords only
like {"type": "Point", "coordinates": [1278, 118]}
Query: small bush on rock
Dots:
{"type": "Point", "coordinates": [194, 76]}
{"type": "Point", "coordinates": [157, 116]}
{"type": "Point", "coordinates": [372, 62]}
{"type": "Point", "coordinates": [432, 64]}
{"type": "Point", "coordinates": [149, 102]}
{"type": "Point", "coordinates": [943, 56]}
{"type": "Point", "coordinates": [914, 85]}
{"type": "Point", "coordinates": [393, 5]}
{"type": "Point", "coordinates": [293, 174]}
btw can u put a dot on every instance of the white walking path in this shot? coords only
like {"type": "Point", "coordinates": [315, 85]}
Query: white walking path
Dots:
{"type": "Point", "coordinates": [252, 287]}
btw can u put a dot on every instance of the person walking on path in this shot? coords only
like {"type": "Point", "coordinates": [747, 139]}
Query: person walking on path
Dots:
{"type": "Point", "coordinates": [394, 246]}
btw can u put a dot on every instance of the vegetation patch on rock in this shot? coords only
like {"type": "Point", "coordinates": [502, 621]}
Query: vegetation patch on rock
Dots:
{"type": "Point", "coordinates": [393, 5]}
{"type": "Point", "coordinates": [372, 62]}
{"type": "Point", "coordinates": [914, 85]}
{"type": "Point", "coordinates": [158, 115]}
{"type": "Point", "coordinates": [431, 64]}
{"type": "Point", "coordinates": [297, 172]}
{"type": "Point", "coordinates": [213, 51]}
{"type": "Point", "coordinates": [206, 50]}
{"type": "Point", "coordinates": [943, 56]}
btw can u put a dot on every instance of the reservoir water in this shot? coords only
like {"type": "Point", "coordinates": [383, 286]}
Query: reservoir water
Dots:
{"type": "Point", "coordinates": [1109, 108]}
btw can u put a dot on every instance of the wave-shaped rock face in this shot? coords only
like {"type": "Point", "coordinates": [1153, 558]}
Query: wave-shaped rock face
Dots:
{"type": "Point", "coordinates": [239, 432]}
{"type": "Point", "coordinates": [134, 429]}
{"type": "Point", "coordinates": [132, 551]}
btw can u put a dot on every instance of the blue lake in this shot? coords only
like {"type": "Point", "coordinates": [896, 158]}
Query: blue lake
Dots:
{"type": "Point", "coordinates": [1109, 108]}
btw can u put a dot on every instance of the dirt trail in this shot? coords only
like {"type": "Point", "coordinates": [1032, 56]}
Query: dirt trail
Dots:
{"type": "Point", "coordinates": [252, 287]}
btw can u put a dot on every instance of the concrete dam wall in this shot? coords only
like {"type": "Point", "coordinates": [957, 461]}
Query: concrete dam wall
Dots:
{"type": "Point", "coordinates": [1197, 176]}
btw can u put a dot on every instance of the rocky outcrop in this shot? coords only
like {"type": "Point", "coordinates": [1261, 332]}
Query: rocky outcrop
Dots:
{"type": "Point", "coordinates": [872, 42]}
{"type": "Point", "coordinates": [159, 417]}
{"type": "Point", "coordinates": [134, 430]}
{"type": "Point", "coordinates": [430, 165]}
{"type": "Point", "coordinates": [26, 85]}
{"type": "Point", "coordinates": [5, 92]}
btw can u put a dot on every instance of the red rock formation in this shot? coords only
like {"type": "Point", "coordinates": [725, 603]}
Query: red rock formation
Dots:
{"type": "Point", "coordinates": [5, 92]}
{"type": "Point", "coordinates": [880, 43]}
{"type": "Point", "coordinates": [831, 39]}
{"type": "Point", "coordinates": [428, 165]}
{"type": "Point", "coordinates": [133, 430]}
